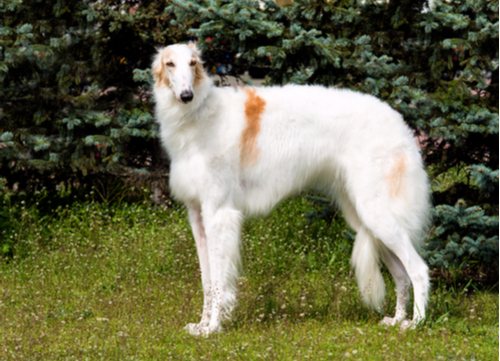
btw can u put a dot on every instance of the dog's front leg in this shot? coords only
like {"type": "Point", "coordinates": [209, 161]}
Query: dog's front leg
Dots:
{"type": "Point", "coordinates": [196, 222]}
{"type": "Point", "coordinates": [222, 227]}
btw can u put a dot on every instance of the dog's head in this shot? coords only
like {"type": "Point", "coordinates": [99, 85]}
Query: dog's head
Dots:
{"type": "Point", "coordinates": [180, 68]}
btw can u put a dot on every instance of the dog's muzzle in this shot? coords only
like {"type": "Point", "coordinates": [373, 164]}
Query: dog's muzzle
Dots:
{"type": "Point", "coordinates": [186, 96]}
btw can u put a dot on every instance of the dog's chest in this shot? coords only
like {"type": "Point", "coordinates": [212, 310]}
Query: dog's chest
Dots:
{"type": "Point", "coordinates": [187, 176]}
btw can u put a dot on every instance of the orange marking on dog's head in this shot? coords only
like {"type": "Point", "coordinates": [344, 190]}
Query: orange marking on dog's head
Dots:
{"type": "Point", "coordinates": [168, 57]}
{"type": "Point", "coordinates": [198, 74]}
{"type": "Point", "coordinates": [160, 75]}
{"type": "Point", "coordinates": [254, 107]}
{"type": "Point", "coordinates": [395, 177]}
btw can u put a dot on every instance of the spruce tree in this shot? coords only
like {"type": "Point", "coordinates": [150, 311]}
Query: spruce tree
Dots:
{"type": "Point", "coordinates": [70, 108]}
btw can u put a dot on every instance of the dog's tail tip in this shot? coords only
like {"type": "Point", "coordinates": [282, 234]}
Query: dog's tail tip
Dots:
{"type": "Point", "coordinates": [365, 262]}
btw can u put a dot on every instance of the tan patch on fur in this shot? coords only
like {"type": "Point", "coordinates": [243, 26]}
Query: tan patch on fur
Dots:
{"type": "Point", "coordinates": [198, 75]}
{"type": "Point", "coordinates": [166, 55]}
{"type": "Point", "coordinates": [395, 178]}
{"type": "Point", "coordinates": [159, 72]}
{"type": "Point", "coordinates": [254, 107]}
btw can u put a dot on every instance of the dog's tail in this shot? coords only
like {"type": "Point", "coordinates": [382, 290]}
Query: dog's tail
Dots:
{"type": "Point", "coordinates": [365, 262]}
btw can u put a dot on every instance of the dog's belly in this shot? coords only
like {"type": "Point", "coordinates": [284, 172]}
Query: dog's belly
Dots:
{"type": "Point", "coordinates": [267, 184]}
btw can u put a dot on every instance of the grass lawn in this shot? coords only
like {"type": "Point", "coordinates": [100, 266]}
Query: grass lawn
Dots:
{"type": "Point", "coordinates": [96, 283]}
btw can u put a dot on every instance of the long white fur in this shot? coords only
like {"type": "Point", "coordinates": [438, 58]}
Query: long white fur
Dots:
{"type": "Point", "coordinates": [349, 145]}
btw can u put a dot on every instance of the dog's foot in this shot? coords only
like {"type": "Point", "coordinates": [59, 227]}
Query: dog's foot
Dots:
{"type": "Point", "coordinates": [403, 324]}
{"type": "Point", "coordinates": [412, 325]}
{"type": "Point", "coordinates": [408, 325]}
{"type": "Point", "coordinates": [199, 329]}
{"type": "Point", "coordinates": [389, 321]}
{"type": "Point", "coordinates": [193, 328]}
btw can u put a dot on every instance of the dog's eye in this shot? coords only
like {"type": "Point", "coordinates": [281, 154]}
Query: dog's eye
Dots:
{"type": "Point", "coordinates": [192, 63]}
{"type": "Point", "coordinates": [170, 64]}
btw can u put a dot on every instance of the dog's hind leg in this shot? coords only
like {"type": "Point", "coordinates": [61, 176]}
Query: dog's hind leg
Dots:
{"type": "Point", "coordinates": [196, 222]}
{"type": "Point", "coordinates": [385, 227]}
{"type": "Point", "coordinates": [403, 284]}
{"type": "Point", "coordinates": [222, 227]}
{"type": "Point", "coordinates": [418, 273]}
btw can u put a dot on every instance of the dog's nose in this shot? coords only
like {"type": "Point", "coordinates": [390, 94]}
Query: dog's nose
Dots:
{"type": "Point", "coordinates": [186, 96]}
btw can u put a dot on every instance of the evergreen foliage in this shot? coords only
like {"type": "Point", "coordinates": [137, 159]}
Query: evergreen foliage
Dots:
{"type": "Point", "coordinates": [69, 106]}
{"type": "Point", "coordinates": [71, 103]}
{"type": "Point", "coordinates": [464, 234]}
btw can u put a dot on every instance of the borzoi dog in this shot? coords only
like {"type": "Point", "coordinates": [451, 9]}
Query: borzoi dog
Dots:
{"type": "Point", "coordinates": [239, 152]}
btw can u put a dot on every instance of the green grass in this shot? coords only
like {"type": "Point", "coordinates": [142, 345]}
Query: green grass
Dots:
{"type": "Point", "coordinates": [96, 283]}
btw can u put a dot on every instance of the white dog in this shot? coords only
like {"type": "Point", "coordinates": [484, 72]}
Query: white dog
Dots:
{"type": "Point", "coordinates": [240, 152]}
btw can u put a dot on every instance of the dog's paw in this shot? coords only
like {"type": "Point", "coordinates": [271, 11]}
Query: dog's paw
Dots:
{"type": "Point", "coordinates": [194, 329]}
{"type": "Point", "coordinates": [199, 329]}
{"type": "Point", "coordinates": [413, 324]}
{"type": "Point", "coordinates": [408, 325]}
{"type": "Point", "coordinates": [389, 321]}
{"type": "Point", "coordinates": [403, 324]}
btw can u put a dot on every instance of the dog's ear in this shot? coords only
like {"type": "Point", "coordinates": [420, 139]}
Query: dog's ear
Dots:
{"type": "Point", "coordinates": [195, 49]}
{"type": "Point", "coordinates": [199, 73]}
{"type": "Point", "coordinates": [159, 70]}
